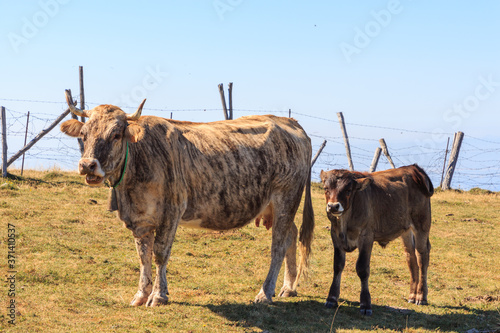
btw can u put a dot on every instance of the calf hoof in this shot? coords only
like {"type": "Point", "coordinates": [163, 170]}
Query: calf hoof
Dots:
{"type": "Point", "coordinates": [157, 300]}
{"type": "Point", "coordinates": [366, 312]}
{"type": "Point", "coordinates": [262, 298]}
{"type": "Point", "coordinates": [411, 300]}
{"type": "Point", "coordinates": [330, 305]}
{"type": "Point", "coordinates": [286, 292]}
{"type": "Point", "coordinates": [421, 302]}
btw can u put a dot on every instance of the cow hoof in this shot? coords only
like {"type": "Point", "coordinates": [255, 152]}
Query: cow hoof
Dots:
{"type": "Point", "coordinates": [139, 299]}
{"type": "Point", "coordinates": [286, 292]}
{"type": "Point", "coordinates": [262, 298]}
{"type": "Point", "coordinates": [421, 302]}
{"type": "Point", "coordinates": [157, 300]}
{"type": "Point", "coordinates": [330, 304]}
{"type": "Point", "coordinates": [366, 312]}
{"type": "Point", "coordinates": [411, 300]}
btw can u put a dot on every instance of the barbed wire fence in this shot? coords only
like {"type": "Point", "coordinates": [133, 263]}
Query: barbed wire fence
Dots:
{"type": "Point", "coordinates": [478, 164]}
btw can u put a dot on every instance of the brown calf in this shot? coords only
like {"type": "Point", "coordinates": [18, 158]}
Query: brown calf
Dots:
{"type": "Point", "coordinates": [379, 207]}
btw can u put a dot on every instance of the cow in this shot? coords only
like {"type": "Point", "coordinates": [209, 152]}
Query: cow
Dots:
{"type": "Point", "coordinates": [379, 207]}
{"type": "Point", "coordinates": [216, 176]}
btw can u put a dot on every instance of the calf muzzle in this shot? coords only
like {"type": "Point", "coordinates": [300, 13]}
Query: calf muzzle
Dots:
{"type": "Point", "coordinates": [335, 208]}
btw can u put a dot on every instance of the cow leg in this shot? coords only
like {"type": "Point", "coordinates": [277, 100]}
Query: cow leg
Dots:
{"type": "Point", "coordinates": [423, 248]}
{"type": "Point", "coordinates": [162, 247]}
{"type": "Point", "coordinates": [281, 242]}
{"type": "Point", "coordinates": [338, 267]}
{"type": "Point", "coordinates": [288, 289]}
{"type": "Point", "coordinates": [144, 247]}
{"type": "Point", "coordinates": [363, 270]}
{"type": "Point", "coordinates": [411, 260]}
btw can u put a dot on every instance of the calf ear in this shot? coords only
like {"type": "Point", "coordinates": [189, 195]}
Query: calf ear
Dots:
{"type": "Point", "coordinates": [72, 128]}
{"type": "Point", "coordinates": [133, 132]}
{"type": "Point", "coordinates": [363, 183]}
{"type": "Point", "coordinates": [322, 175]}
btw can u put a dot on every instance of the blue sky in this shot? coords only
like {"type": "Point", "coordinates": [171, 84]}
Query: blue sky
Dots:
{"type": "Point", "coordinates": [412, 65]}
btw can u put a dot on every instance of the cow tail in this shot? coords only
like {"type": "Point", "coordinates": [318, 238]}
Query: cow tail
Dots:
{"type": "Point", "coordinates": [306, 231]}
{"type": "Point", "coordinates": [423, 181]}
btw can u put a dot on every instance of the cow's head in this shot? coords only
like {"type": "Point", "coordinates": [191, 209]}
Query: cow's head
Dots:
{"type": "Point", "coordinates": [105, 136]}
{"type": "Point", "coordinates": [340, 188]}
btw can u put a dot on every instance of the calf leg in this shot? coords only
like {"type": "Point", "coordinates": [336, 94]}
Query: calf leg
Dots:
{"type": "Point", "coordinates": [363, 270]}
{"type": "Point", "coordinates": [411, 260]}
{"type": "Point", "coordinates": [338, 267]}
{"type": "Point", "coordinates": [144, 247]}
{"type": "Point", "coordinates": [162, 247]}
{"type": "Point", "coordinates": [288, 289]}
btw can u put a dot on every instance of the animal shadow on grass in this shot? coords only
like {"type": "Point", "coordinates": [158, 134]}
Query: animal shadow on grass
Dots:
{"type": "Point", "coordinates": [312, 316]}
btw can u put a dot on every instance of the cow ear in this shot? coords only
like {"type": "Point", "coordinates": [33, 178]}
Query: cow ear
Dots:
{"type": "Point", "coordinates": [322, 175]}
{"type": "Point", "coordinates": [363, 183]}
{"type": "Point", "coordinates": [72, 128]}
{"type": "Point", "coordinates": [133, 132]}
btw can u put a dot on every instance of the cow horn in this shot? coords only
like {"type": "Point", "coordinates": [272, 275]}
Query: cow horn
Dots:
{"type": "Point", "coordinates": [72, 107]}
{"type": "Point", "coordinates": [137, 114]}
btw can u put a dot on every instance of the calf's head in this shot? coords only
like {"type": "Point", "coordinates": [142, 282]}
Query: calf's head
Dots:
{"type": "Point", "coordinates": [340, 188]}
{"type": "Point", "coordinates": [105, 136]}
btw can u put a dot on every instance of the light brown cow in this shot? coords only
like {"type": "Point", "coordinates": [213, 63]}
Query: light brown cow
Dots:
{"type": "Point", "coordinates": [216, 176]}
{"type": "Point", "coordinates": [379, 206]}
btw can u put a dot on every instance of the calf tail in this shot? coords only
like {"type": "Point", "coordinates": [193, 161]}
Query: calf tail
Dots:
{"type": "Point", "coordinates": [423, 181]}
{"type": "Point", "coordinates": [306, 231]}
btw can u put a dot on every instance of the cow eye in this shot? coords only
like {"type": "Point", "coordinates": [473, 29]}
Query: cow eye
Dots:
{"type": "Point", "coordinates": [117, 136]}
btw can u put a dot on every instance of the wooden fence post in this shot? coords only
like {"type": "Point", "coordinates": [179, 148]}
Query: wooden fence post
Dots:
{"type": "Point", "coordinates": [457, 143]}
{"type": "Point", "coordinates": [376, 157]}
{"type": "Point", "coordinates": [82, 106]}
{"type": "Point", "coordinates": [25, 139]}
{"type": "Point", "coordinates": [230, 97]}
{"type": "Point", "coordinates": [444, 163]}
{"type": "Point", "coordinates": [318, 152]}
{"type": "Point", "coordinates": [386, 152]}
{"type": "Point", "coordinates": [4, 142]}
{"type": "Point", "coordinates": [223, 100]}
{"type": "Point", "coordinates": [346, 140]}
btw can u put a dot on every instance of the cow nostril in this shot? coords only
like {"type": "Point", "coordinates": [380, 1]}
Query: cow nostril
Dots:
{"type": "Point", "coordinates": [333, 207]}
{"type": "Point", "coordinates": [92, 166]}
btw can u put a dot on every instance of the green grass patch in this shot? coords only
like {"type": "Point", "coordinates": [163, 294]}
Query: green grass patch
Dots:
{"type": "Point", "coordinates": [77, 270]}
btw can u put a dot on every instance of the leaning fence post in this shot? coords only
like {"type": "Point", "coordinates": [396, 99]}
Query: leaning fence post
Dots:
{"type": "Point", "coordinates": [346, 140]}
{"type": "Point", "coordinates": [376, 157]}
{"type": "Point", "coordinates": [444, 163]}
{"type": "Point", "coordinates": [318, 152]}
{"type": "Point", "coordinates": [25, 139]}
{"type": "Point", "coordinates": [386, 152]}
{"type": "Point", "coordinates": [457, 143]}
{"type": "Point", "coordinates": [4, 142]}
{"type": "Point", "coordinates": [223, 101]}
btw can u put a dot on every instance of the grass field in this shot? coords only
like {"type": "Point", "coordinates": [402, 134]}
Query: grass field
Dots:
{"type": "Point", "coordinates": [77, 270]}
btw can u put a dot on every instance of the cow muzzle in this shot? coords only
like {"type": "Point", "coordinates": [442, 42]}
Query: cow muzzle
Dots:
{"type": "Point", "coordinates": [335, 208]}
{"type": "Point", "coordinates": [93, 171]}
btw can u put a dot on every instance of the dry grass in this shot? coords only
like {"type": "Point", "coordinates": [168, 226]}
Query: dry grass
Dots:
{"type": "Point", "coordinates": [78, 270]}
